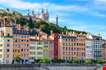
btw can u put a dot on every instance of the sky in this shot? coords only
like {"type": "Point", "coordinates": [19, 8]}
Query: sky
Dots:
{"type": "Point", "coordinates": [84, 15]}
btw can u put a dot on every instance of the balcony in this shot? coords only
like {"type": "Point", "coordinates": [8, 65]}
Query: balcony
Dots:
{"type": "Point", "coordinates": [6, 36]}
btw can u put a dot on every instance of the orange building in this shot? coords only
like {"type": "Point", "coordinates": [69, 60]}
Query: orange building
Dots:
{"type": "Point", "coordinates": [69, 46]}
{"type": "Point", "coordinates": [21, 43]}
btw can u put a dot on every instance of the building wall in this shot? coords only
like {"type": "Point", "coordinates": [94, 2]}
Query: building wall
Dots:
{"type": "Point", "coordinates": [94, 44]}
{"type": "Point", "coordinates": [40, 49]}
{"type": "Point", "coordinates": [36, 49]}
{"type": "Point", "coordinates": [6, 45]}
{"type": "Point", "coordinates": [104, 51]}
{"type": "Point", "coordinates": [71, 46]}
{"type": "Point", "coordinates": [89, 49]}
{"type": "Point", "coordinates": [97, 48]}
{"type": "Point", "coordinates": [21, 44]}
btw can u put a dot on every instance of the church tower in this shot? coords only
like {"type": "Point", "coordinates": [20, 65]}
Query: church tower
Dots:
{"type": "Point", "coordinates": [44, 15]}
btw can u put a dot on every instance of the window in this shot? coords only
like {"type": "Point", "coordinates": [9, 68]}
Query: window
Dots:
{"type": "Point", "coordinates": [0, 50]}
{"type": "Point", "coordinates": [15, 40]}
{"type": "Point", "coordinates": [21, 49]}
{"type": "Point", "coordinates": [8, 50]}
{"type": "Point", "coordinates": [8, 40]}
{"type": "Point", "coordinates": [38, 48]}
{"type": "Point", "coordinates": [32, 47]}
{"type": "Point", "coordinates": [21, 40]}
{"type": "Point", "coordinates": [39, 53]}
{"type": "Point", "coordinates": [0, 45]}
{"type": "Point", "coordinates": [8, 45]}
{"type": "Point", "coordinates": [0, 56]}
{"type": "Point", "coordinates": [7, 55]}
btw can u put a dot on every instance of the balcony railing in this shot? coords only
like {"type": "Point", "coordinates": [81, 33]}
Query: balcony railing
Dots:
{"type": "Point", "coordinates": [6, 36]}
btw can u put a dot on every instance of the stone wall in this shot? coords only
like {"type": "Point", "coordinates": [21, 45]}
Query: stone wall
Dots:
{"type": "Point", "coordinates": [47, 67]}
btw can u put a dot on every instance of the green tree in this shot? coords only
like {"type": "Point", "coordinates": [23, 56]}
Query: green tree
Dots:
{"type": "Point", "coordinates": [88, 61]}
{"type": "Point", "coordinates": [44, 60]}
{"type": "Point", "coordinates": [16, 60]}
{"type": "Point", "coordinates": [31, 23]}
{"type": "Point", "coordinates": [21, 21]}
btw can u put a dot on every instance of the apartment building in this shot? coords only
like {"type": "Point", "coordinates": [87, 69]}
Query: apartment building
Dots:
{"type": "Point", "coordinates": [40, 46]}
{"type": "Point", "coordinates": [21, 43]}
{"type": "Point", "coordinates": [6, 41]}
{"type": "Point", "coordinates": [97, 47]}
{"type": "Point", "coordinates": [69, 46]}
{"type": "Point", "coordinates": [104, 50]}
{"type": "Point", "coordinates": [89, 53]}
{"type": "Point", "coordinates": [94, 47]}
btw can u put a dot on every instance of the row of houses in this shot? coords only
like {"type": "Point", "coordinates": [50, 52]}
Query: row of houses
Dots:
{"type": "Point", "coordinates": [16, 41]}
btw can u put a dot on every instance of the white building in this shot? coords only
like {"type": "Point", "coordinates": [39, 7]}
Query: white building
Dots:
{"type": "Point", "coordinates": [89, 47]}
{"type": "Point", "coordinates": [93, 46]}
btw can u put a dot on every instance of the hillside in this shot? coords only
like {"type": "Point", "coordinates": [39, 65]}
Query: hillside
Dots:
{"type": "Point", "coordinates": [46, 27]}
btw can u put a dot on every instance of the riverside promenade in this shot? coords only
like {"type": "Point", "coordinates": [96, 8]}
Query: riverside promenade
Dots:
{"type": "Point", "coordinates": [47, 67]}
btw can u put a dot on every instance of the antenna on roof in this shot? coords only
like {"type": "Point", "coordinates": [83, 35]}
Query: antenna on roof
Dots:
{"type": "Point", "coordinates": [57, 20]}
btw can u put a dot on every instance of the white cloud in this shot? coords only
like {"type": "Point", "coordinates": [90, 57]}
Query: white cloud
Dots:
{"type": "Point", "coordinates": [100, 1]}
{"type": "Point", "coordinates": [19, 4]}
{"type": "Point", "coordinates": [27, 5]}
{"type": "Point", "coordinates": [61, 10]}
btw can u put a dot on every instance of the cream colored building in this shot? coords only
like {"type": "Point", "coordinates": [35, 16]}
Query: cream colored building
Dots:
{"type": "Point", "coordinates": [6, 42]}
{"type": "Point", "coordinates": [40, 46]}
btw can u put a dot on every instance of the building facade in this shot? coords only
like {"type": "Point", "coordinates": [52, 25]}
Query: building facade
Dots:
{"type": "Point", "coordinates": [70, 46]}
{"type": "Point", "coordinates": [40, 46]}
{"type": "Point", "coordinates": [89, 53]}
{"type": "Point", "coordinates": [97, 47]}
{"type": "Point", "coordinates": [6, 41]}
{"type": "Point", "coordinates": [21, 43]}
{"type": "Point", "coordinates": [94, 47]}
{"type": "Point", "coordinates": [104, 51]}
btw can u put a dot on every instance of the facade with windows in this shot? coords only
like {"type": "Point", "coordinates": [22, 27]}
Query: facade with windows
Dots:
{"type": "Point", "coordinates": [104, 52]}
{"type": "Point", "coordinates": [6, 41]}
{"type": "Point", "coordinates": [14, 42]}
{"type": "Point", "coordinates": [94, 47]}
{"type": "Point", "coordinates": [40, 47]}
{"type": "Point", "coordinates": [97, 47]}
{"type": "Point", "coordinates": [70, 46]}
{"type": "Point", "coordinates": [21, 43]}
{"type": "Point", "coordinates": [89, 53]}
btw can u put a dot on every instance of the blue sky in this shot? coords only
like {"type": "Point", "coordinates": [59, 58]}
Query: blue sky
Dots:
{"type": "Point", "coordinates": [84, 15]}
